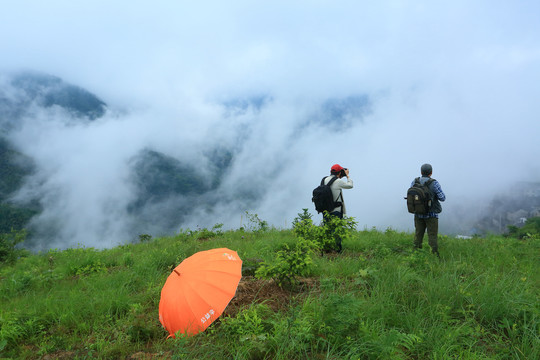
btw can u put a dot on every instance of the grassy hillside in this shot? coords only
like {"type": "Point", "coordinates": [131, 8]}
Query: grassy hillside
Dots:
{"type": "Point", "coordinates": [376, 300]}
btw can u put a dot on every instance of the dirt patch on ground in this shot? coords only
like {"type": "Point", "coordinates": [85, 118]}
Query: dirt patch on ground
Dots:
{"type": "Point", "coordinates": [255, 291]}
{"type": "Point", "coordinates": [60, 355]}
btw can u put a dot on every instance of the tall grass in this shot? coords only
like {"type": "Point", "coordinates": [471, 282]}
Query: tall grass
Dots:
{"type": "Point", "coordinates": [379, 299]}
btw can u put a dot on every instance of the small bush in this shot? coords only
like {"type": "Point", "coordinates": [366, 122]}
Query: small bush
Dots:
{"type": "Point", "coordinates": [248, 323]}
{"type": "Point", "coordinates": [145, 237]}
{"type": "Point", "coordinates": [302, 217]}
{"type": "Point", "coordinates": [249, 331]}
{"type": "Point", "coordinates": [256, 225]}
{"type": "Point", "coordinates": [324, 235]}
{"type": "Point", "coordinates": [289, 263]}
{"type": "Point", "coordinates": [93, 267]}
{"type": "Point", "coordinates": [205, 234]}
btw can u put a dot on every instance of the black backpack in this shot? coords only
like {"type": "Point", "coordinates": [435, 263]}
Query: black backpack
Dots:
{"type": "Point", "coordinates": [323, 197]}
{"type": "Point", "coordinates": [419, 197]}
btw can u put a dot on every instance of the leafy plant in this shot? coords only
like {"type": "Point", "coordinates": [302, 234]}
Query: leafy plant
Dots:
{"type": "Point", "coordinates": [324, 235]}
{"type": "Point", "coordinates": [248, 323]}
{"type": "Point", "coordinates": [204, 233]}
{"type": "Point", "coordinates": [145, 237]}
{"type": "Point", "coordinates": [303, 226]}
{"type": "Point", "coordinates": [256, 224]}
{"type": "Point", "coordinates": [289, 263]}
{"type": "Point", "coordinates": [305, 216]}
{"type": "Point", "coordinates": [249, 331]}
{"type": "Point", "coordinates": [334, 227]}
{"type": "Point", "coordinates": [530, 236]}
{"type": "Point", "coordinates": [90, 268]}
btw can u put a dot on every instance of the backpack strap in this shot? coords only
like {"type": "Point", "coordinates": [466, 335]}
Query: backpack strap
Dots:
{"type": "Point", "coordinates": [338, 203]}
{"type": "Point", "coordinates": [342, 202]}
{"type": "Point", "coordinates": [427, 183]}
{"type": "Point", "coordinates": [331, 180]}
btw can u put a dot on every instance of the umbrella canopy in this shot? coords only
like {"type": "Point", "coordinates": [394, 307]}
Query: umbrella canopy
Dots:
{"type": "Point", "coordinates": [198, 290]}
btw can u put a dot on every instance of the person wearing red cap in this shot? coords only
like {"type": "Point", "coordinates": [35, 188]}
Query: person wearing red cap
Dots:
{"type": "Point", "coordinates": [337, 190]}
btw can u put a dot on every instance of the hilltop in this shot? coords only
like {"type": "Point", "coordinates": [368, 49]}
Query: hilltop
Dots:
{"type": "Point", "coordinates": [378, 299]}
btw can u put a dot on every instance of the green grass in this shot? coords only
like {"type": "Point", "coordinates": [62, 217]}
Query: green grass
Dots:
{"type": "Point", "coordinates": [376, 300]}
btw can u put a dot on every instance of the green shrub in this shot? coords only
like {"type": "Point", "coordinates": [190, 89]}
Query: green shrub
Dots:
{"type": "Point", "coordinates": [324, 235]}
{"type": "Point", "coordinates": [86, 269]}
{"type": "Point", "coordinates": [303, 226]}
{"type": "Point", "coordinates": [336, 227]}
{"type": "Point", "coordinates": [289, 263]}
{"type": "Point", "coordinates": [249, 331]}
{"type": "Point", "coordinates": [301, 217]}
{"type": "Point", "coordinates": [256, 225]}
{"type": "Point", "coordinates": [145, 237]}
{"type": "Point", "coordinates": [248, 323]}
{"type": "Point", "coordinates": [205, 234]}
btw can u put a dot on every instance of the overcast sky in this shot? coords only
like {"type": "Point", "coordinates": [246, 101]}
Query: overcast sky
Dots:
{"type": "Point", "coordinates": [455, 84]}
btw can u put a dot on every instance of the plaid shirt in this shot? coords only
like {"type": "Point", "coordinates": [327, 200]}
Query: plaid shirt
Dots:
{"type": "Point", "coordinates": [439, 194]}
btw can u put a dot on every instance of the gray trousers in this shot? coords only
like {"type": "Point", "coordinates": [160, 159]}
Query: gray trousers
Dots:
{"type": "Point", "coordinates": [432, 226]}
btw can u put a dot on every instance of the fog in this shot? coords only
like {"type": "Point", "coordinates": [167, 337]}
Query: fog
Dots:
{"type": "Point", "coordinates": [453, 84]}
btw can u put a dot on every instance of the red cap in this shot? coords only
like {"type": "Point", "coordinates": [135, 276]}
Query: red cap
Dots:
{"type": "Point", "coordinates": [336, 168]}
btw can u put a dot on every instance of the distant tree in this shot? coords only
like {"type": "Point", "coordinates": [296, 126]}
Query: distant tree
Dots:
{"type": "Point", "coordinates": [14, 166]}
{"type": "Point", "coordinates": [12, 217]}
{"type": "Point", "coordinates": [8, 242]}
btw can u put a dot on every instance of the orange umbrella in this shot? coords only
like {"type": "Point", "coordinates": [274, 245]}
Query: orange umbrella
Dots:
{"type": "Point", "coordinates": [198, 290]}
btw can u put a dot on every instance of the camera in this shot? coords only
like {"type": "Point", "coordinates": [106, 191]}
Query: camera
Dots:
{"type": "Point", "coordinates": [343, 174]}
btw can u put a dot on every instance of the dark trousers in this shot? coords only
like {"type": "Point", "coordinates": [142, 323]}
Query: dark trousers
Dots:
{"type": "Point", "coordinates": [338, 214]}
{"type": "Point", "coordinates": [432, 226]}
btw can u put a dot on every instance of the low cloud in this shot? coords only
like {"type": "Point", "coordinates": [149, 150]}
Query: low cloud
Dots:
{"type": "Point", "coordinates": [288, 93]}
